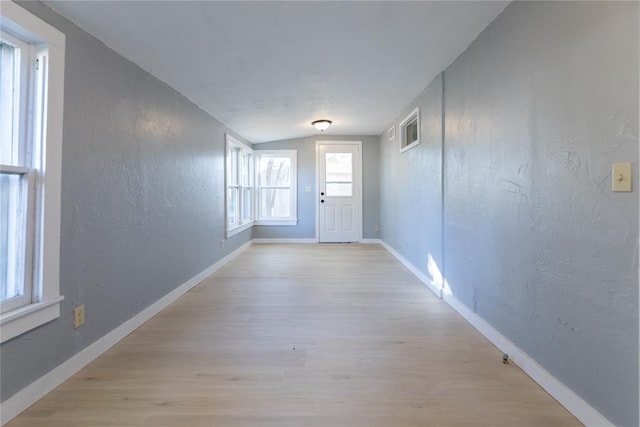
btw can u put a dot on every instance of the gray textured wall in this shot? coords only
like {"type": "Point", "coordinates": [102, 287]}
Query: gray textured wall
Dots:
{"type": "Point", "coordinates": [306, 147]}
{"type": "Point", "coordinates": [536, 110]}
{"type": "Point", "coordinates": [411, 186]}
{"type": "Point", "coordinates": [142, 201]}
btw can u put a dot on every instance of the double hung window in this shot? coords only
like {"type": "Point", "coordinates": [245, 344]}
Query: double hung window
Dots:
{"type": "Point", "coordinates": [17, 183]}
{"type": "Point", "coordinates": [31, 93]}
{"type": "Point", "coordinates": [261, 187]}
{"type": "Point", "coordinates": [240, 187]}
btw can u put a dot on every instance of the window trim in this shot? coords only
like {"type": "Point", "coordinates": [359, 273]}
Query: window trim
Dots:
{"type": "Point", "coordinates": [403, 129]}
{"type": "Point", "coordinates": [45, 305]}
{"type": "Point", "coordinates": [293, 218]}
{"type": "Point", "coordinates": [232, 142]}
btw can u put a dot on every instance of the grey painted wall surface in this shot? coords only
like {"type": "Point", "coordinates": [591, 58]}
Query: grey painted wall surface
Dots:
{"type": "Point", "coordinates": [142, 201]}
{"type": "Point", "coordinates": [306, 148]}
{"type": "Point", "coordinates": [536, 110]}
{"type": "Point", "coordinates": [411, 186]}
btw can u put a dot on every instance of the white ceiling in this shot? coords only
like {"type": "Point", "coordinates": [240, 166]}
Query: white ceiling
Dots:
{"type": "Point", "coordinates": [267, 69]}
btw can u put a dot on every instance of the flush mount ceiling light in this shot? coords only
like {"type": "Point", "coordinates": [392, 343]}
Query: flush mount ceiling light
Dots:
{"type": "Point", "coordinates": [321, 125]}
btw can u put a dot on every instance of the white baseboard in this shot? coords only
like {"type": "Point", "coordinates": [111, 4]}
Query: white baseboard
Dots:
{"type": "Point", "coordinates": [312, 240]}
{"type": "Point", "coordinates": [370, 241]}
{"type": "Point", "coordinates": [419, 274]}
{"type": "Point", "coordinates": [306, 241]}
{"type": "Point", "coordinates": [584, 412]}
{"type": "Point", "coordinates": [35, 391]}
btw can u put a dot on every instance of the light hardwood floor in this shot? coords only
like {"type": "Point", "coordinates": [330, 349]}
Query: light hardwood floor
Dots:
{"type": "Point", "coordinates": [302, 335]}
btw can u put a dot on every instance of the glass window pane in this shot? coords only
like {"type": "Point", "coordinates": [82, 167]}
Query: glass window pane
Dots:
{"type": "Point", "coordinates": [232, 207]}
{"type": "Point", "coordinates": [275, 171]}
{"type": "Point", "coordinates": [12, 235]}
{"type": "Point", "coordinates": [339, 167]}
{"type": "Point", "coordinates": [246, 170]}
{"type": "Point", "coordinates": [246, 204]}
{"type": "Point", "coordinates": [233, 166]}
{"type": "Point", "coordinates": [275, 203]}
{"type": "Point", "coordinates": [339, 189]}
{"type": "Point", "coordinates": [9, 97]}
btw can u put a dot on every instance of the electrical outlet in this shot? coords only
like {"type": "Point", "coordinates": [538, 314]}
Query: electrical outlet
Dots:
{"type": "Point", "coordinates": [377, 227]}
{"type": "Point", "coordinates": [78, 316]}
{"type": "Point", "coordinates": [222, 244]}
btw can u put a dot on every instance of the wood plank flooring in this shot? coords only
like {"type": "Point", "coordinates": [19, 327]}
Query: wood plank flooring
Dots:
{"type": "Point", "coordinates": [302, 335]}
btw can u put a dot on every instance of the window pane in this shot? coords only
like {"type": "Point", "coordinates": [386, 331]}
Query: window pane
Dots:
{"type": "Point", "coordinates": [12, 235]}
{"type": "Point", "coordinates": [275, 171]}
{"type": "Point", "coordinates": [246, 170]}
{"type": "Point", "coordinates": [233, 166]}
{"type": "Point", "coordinates": [339, 167]}
{"type": "Point", "coordinates": [275, 203]}
{"type": "Point", "coordinates": [232, 207]}
{"type": "Point", "coordinates": [9, 96]}
{"type": "Point", "coordinates": [339, 189]}
{"type": "Point", "coordinates": [246, 204]}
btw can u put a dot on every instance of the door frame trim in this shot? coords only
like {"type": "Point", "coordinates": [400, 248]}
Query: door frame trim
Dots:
{"type": "Point", "coordinates": [360, 199]}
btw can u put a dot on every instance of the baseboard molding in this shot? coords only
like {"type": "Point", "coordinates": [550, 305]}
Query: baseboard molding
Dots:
{"type": "Point", "coordinates": [258, 241]}
{"type": "Point", "coordinates": [35, 391]}
{"type": "Point", "coordinates": [370, 241]}
{"type": "Point", "coordinates": [563, 394]}
{"type": "Point", "coordinates": [419, 274]}
{"type": "Point", "coordinates": [306, 241]}
{"type": "Point", "coordinates": [584, 412]}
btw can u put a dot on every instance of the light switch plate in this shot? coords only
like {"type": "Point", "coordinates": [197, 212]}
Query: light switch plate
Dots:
{"type": "Point", "coordinates": [621, 177]}
{"type": "Point", "coordinates": [307, 189]}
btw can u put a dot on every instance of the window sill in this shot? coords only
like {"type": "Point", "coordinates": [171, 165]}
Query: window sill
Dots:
{"type": "Point", "coordinates": [239, 229]}
{"type": "Point", "coordinates": [278, 222]}
{"type": "Point", "coordinates": [23, 319]}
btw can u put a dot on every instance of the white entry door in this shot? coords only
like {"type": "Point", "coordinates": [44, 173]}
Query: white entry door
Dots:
{"type": "Point", "coordinates": [339, 191]}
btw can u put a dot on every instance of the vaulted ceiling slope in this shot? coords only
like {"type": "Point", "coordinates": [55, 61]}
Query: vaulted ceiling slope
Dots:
{"type": "Point", "coordinates": [267, 69]}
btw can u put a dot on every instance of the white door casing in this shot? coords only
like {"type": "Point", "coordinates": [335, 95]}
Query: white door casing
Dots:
{"type": "Point", "coordinates": [339, 191]}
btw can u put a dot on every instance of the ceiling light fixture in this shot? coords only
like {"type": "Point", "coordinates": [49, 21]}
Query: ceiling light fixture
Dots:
{"type": "Point", "coordinates": [321, 125]}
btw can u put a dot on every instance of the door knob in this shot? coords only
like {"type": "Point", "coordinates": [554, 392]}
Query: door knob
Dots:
{"type": "Point", "coordinates": [322, 201]}
{"type": "Point", "coordinates": [322, 194]}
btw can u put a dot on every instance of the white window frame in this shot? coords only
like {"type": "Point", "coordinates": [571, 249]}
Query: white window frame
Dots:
{"type": "Point", "coordinates": [242, 187]}
{"type": "Point", "coordinates": [292, 219]}
{"type": "Point", "coordinates": [45, 127]}
{"type": "Point", "coordinates": [414, 115]}
{"type": "Point", "coordinates": [21, 212]}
